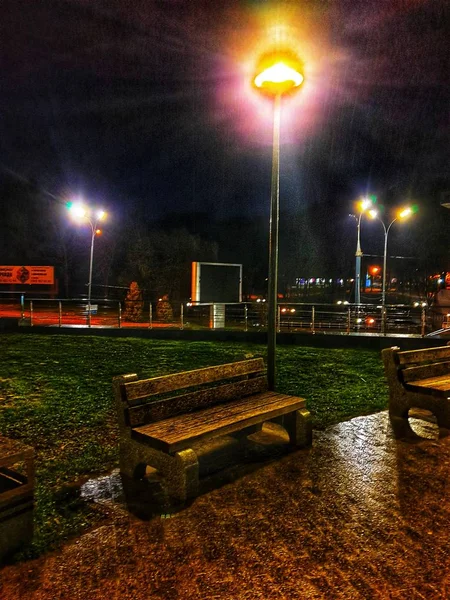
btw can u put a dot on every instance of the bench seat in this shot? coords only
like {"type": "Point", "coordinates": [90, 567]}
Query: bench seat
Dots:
{"type": "Point", "coordinates": [439, 386]}
{"type": "Point", "coordinates": [180, 432]}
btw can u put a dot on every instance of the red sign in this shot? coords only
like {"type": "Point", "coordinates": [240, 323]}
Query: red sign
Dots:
{"type": "Point", "coordinates": [22, 275]}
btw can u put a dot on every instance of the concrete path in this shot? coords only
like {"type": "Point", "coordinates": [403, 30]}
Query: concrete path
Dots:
{"type": "Point", "coordinates": [360, 515]}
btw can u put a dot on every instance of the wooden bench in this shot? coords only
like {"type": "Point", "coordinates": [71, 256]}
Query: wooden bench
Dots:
{"type": "Point", "coordinates": [418, 379]}
{"type": "Point", "coordinates": [16, 495]}
{"type": "Point", "coordinates": [162, 419]}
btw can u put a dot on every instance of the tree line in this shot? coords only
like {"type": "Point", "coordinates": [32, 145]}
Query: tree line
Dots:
{"type": "Point", "coordinates": [315, 241]}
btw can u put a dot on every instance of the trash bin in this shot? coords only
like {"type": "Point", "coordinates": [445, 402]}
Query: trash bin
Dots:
{"type": "Point", "coordinates": [16, 495]}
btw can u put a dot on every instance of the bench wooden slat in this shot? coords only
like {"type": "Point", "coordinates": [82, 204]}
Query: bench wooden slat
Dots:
{"type": "Point", "coordinates": [145, 388]}
{"type": "Point", "coordinates": [170, 407]}
{"type": "Point", "coordinates": [432, 385]}
{"type": "Point", "coordinates": [411, 374]}
{"type": "Point", "coordinates": [428, 354]}
{"type": "Point", "coordinates": [178, 433]}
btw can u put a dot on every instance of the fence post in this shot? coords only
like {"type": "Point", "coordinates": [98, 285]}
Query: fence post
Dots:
{"type": "Point", "coordinates": [383, 320]}
{"type": "Point", "coordinates": [313, 319]}
{"type": "Point", "coordinates": [349, 319]}
{"type": "Point", "coordinates": [182, 316]}
{"type": "Point", "coordinates": [150, 316]}
{"type": "Point", "coordinates": [31, 312]}
{"type": "Point", "coordinates": [22, 307]}
{"type": "Point", "coordinates": [59, 313]}
{"type": "Point", "coordinates": [120, 315]}
{"type": "Point", "coordinates": [245, 317]}
{"type": "Point", "coordinates": [278, 319]}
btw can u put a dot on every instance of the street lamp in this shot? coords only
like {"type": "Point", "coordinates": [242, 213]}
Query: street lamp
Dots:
{"type": "Point", "coordinates": [402, 214]}
{"type": "Point", "coordinates": [82, 213]}
{"type": "Point", "coordinates": [278, 74]}
{"type": "Point", "coordinates": [363, 206]}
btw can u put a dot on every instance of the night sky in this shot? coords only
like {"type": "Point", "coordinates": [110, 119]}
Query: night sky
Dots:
{"type": "Point", "coordinates": [149, 102]}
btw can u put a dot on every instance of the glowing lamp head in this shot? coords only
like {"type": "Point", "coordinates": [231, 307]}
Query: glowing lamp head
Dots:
{"type": "Point", "coordinates": [405, 213]}
{"type": "Point", "coordinates": [278, 74]}
{"type": "Point", "coordinates": [365, 204]}
{"type": "Point", "coordinates": [100, 214]}
{"type": "Point", "coordinates": [78, 211]}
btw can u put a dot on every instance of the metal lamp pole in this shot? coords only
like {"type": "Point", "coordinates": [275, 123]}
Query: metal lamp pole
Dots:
{"type": "Point", "coordinates": [383, 289]}
{"type": "Point", "coordinates": [405, 213]}
{"type": "Point", "coordinates": [278, 73]}
{"type": "Point", "coordinates": [358, 255]}
{"type": "Point", "coordinates": [273, 245]}
{"type": "Point", "coordinates": [91, 262]}
{"type": "Point", "coordinates": [82, 213]}
{"type": "Point", "coordinates": [363, 206]}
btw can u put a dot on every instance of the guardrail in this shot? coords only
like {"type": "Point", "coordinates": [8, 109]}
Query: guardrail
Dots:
{"type": "Point", "coordinates": [247, 316]}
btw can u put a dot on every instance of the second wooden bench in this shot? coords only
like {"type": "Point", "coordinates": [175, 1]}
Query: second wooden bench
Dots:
{"type": "Point", "coordinates": [418, 379]}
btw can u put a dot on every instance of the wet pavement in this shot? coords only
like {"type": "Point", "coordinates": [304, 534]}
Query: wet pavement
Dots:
{"type": "Point", "coordinates": [359, 515]}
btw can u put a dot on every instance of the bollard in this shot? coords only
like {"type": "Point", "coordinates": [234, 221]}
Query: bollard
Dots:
{"type": "Point", "coordinates": [59, 313]}
{"type": "Point", "coordinates": [150, 316]}
{"type": "Point", "coordinates": [120, 315]}
{"type": "Point", "coordinates": [313, 319]}
{"type": "Point", "coordinates": [245, 317]}
{"type": "Point", "coordinates": [182, 317]}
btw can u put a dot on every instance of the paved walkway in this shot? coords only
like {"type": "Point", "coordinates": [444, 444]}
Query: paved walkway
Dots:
{"type": "Point", "coordinates": [360, 515]}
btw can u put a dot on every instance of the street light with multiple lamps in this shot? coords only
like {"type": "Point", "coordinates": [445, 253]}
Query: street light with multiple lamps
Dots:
{"type": "Point", "coordinates": [278, 74]}
{"type": "Point", "coordinates": [363, 206]}
{"type": "Point", "coordinates": [401, 215]}
{"type": "Point", "coordinates": [84, 214]}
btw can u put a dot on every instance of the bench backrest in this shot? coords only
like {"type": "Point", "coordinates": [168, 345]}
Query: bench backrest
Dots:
{"type": "Point", "coordinates": [148, 400]}
{"type": "Point", "coordinates": [412, 365]}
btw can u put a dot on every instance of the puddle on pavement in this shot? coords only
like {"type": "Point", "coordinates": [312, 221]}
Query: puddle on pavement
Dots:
{"type": "Point", "coordinates": [144, 498]}
{"type": "Point", "coordinates": [108, 487]}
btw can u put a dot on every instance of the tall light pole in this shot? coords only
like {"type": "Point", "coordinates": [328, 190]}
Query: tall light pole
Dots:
{"type": "Point", "coordinates": [84, 214]}
{"type": "Point", "coordinates": [363, 206]}
{"type": "Point", "coordinates": [277, 74]}
{"type": "Point", "coordinates": [402, 214]}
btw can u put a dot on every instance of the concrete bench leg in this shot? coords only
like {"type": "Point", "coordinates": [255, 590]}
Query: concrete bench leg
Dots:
{"type": "Point", "coordinates": [134, 458]}
{"type": "Point", "coordinates": [183, 476]}
{"type": "Point", "coordinates": [441, 410]}
{"type": "Point", "coordinates": [399, 415]}
{"type": "Point", "coordinates": [400, 425]}
{"type": "Point", "coordinates": [299, 427]}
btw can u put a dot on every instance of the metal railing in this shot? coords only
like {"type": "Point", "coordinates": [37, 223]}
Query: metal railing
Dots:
{"type": "Point", "coordinates": [247, 316]}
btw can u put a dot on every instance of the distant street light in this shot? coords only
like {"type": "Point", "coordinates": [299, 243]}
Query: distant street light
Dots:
{"type": "Point", "coordinates": [278, 74]}
{"type": "Point", "coordinates": [401, 215]}
{"type": "Point", "coordinates": [81, 213]}
{"type": "Point", "coordinates": [362, 206]}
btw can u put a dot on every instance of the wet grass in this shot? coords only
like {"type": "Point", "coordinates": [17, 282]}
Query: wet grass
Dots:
{"type": "Point", "coordinates": [55, 395]}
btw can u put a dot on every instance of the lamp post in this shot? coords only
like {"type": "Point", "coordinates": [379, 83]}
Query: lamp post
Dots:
{"type": "Point", "coordinates": [81, 213]}
{"type": "Point", "coordinates": [402, 214]}
{"type": "Point", "coordinates": [363, 205]}
{"type": "Point", "coordinates": [277, 74]}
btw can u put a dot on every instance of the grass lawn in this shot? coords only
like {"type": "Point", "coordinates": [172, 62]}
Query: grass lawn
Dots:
{"type": "Point", "coordinates": [55, 395]}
